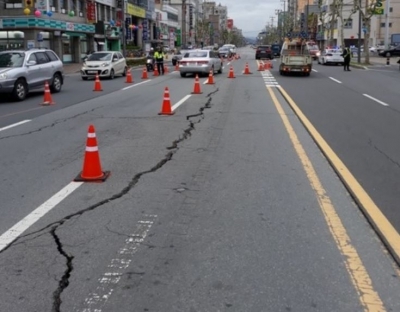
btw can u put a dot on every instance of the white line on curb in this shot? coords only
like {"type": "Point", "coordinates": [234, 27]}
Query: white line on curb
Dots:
{"type": "Point", "coordinates": [136, 84]}
{"type": "Point", "coordinates": [20, 227]}
{"type": "Point", "coordinates": [335, 80]}
{"type": "Point", "coordinates": [376, 100]}
{"type": "Point", "coordinates": [180, 102]}
{"type": "Point", "coordinates": [14, 125]}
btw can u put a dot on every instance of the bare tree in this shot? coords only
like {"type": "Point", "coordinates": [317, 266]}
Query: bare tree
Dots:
{"type": "Point", "coordinates": [344, 20]}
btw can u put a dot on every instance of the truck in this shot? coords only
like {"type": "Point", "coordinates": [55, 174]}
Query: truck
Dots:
{"type": "Point", "coordinates": [295, 57]}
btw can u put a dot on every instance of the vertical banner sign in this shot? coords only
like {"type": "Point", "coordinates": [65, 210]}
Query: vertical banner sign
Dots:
{"type": "Point", "coordinates": [145, 30]}
{"type": "Point", "coordinates": [191, 16]}
{"type": "Point", "coordinates": [302, 21]}
{"type": "Point", "coordinates": [229, 23]}
{"type": "Point", "coordinates": [91, 11]}
{"type": "Point", "coordinates": [178, 38]}
{"type": "Point", "coordinates": [171, 38]}
{"type": "Point", "coordinates": [128, 30]}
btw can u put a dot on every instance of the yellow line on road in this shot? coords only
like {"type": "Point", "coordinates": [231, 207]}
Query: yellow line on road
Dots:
{"type": "Point", "coordinates": [369, 298]}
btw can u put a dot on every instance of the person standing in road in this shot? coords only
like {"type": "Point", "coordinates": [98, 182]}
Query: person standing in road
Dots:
{"type": "Point", "coordinates": [347, 58]}
{"type": "Point", "coordinates": [159, 56]}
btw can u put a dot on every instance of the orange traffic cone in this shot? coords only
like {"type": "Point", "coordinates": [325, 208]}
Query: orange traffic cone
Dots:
{"type": "Point", "coordinates": [47, 100]}
{"type": "Point", "coordinates": [210, 78]}
{"type": "Point", "coordinates": [196, 89]}
{"type": "Point", "coordinates": [155, 72]}
{"type": "Point", "coordinates": [129, 78]}
{"type": "Point", "coordinates": [91, 165]}
{"type": "Point", "coordinates": [166, 105]}
{"type": "Point", "coordinates": [260, 66]}
{"type": "Point", "coordinates": [247, 70]}
{"type": "Point", "coordinates": [231, 73]}
{"type": "Point", "coordinates": [177, 66]}
{"type": "Point", "coordinates": [144, 74]}
{"type": "Point", "coordinates": [165, 69]}
{"type": "Point", "coordinates": [97, 84]}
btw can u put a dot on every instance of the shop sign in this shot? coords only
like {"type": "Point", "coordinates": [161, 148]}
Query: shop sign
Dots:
{"type": "Point", "coordinates": [43, 5]}
{"type": "Point", "coordinates": [91, 11]}
{"type": "Point", "coordinates": [136, 11]}
{"type": "Point", "coordinates": [145, 30]}
{"type": "Point", "coordinates": [70, 26]}
{"type": "Point", "coordinates": [128, 29]}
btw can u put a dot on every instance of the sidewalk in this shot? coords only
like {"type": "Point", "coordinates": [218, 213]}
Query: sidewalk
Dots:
{"type": "Point", "coordinates": [72, 68]}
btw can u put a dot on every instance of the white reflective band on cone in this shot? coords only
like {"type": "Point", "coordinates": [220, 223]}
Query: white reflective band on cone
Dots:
{"type": "Point", "coordinates": [92, 148]}
{"type": "Point", "coordinates": [91, 135]}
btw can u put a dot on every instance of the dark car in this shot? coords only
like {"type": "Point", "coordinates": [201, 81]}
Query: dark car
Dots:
{"type": "Point", "coordinates": [276, 49]}
{"type": "Point", "coordinates": [264, 52]}
{"type": "Point", "coordinates": [224, 52]}
{"type": "Point", "coordinates": [395, 51]}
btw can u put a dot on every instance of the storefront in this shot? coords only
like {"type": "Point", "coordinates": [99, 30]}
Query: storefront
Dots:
{"type": "Point", "coordinates": [133, 25]}
{"type": "Point", "coordinates": [69, 40]}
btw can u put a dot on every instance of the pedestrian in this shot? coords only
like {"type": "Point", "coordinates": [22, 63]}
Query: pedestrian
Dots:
{"type": "Point", "coordinates": [159, 56]}
{"type": "Point", "coordinates": [347, 58]}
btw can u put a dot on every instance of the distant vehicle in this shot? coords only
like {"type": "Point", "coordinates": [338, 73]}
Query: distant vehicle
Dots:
{"type": "Point", "coordinates": [295, 58]}
{"type": "Point", "coordinates": [200, 62]}
{"type": "Point", "coordinates": [314, 50]}
{"type": "Point", "coordinates": [105, 64]}
{"type": "Point", "coordinates": [331, 56]}
{"type": "Point", "coordinates": [394, 51]}
{"type": "Point", "coordinates": [264, 52]}
{"type": "Point", "coordinates": [276, 49]}
{"type": "Point", "coordinates": [224, 52]}
{"type": "Point", "coordinates": [24, 71]}
{"type": "Point", "coordinates": [178, 56]}
{"type": "Point", "coordinates": [232, 47]}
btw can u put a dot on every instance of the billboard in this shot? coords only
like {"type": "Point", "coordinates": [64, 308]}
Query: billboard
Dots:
{"type": "Point", "coordinates": [229, 23]}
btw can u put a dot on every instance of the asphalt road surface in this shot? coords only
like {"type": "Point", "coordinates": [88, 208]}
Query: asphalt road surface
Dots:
{"type": "Point", "coordinates": [227, 205]}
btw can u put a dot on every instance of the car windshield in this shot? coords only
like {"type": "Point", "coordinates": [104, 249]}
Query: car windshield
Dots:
{"type": "Point", "coordinates": [100, 57]}
{"type": "Point", "coordinates": [224, 49]}
{"type": "Point", "coordinates": [196, 54]}
{"type": "Point", "coordinates": [12, 59]}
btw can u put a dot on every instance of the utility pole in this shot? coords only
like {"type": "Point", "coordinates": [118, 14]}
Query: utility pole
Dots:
{"type": "Point", "coordinates": [359, 34]}
{"type": "Point", "coordinates": [387, 23]}
{"type": "Point", "coordinates": [183, 23]}
{"type": "Point", "coordinates": [123, 24]}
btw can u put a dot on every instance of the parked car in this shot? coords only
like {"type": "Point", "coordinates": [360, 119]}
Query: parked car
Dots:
{"type": "Point", "coordinates": [393, 51]}
{"type": "Point", "coordinates": [200, 62]}
{"type": "Point", "coordinates": [105, 64]}
{"type": "Point", "coordinates": [24, 71]}
{"type": "Point", "coordinates": [264, 52]}
{"type": "Point", "coordinates": [276, 49]}
{"type": "Point", "coordinates": [178, 56]}
{"type": "Point", "coordinates": [331, 56]}
{"type": "Point", "coordinates": [224, 52]}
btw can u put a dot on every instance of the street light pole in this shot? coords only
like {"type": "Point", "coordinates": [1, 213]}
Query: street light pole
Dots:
{"type": "Point", "coordinates": [183, 23]}
{"type": "Point", "coordinates": [123, 29]}
{"type": "Point", "coordinates": [387, 23]}
{"type": "Point", "coordinates": [359, 34]}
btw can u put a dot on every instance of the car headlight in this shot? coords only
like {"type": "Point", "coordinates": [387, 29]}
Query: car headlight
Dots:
{"type": "Point", "coordinates": [3, 76]}
{"type": "Point", "coordinates": [317, 54]}
{"type": "Point", "coordinates": [105, 64]}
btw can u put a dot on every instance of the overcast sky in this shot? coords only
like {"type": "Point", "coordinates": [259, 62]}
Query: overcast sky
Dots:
{"type": "Point", "coordinates": [252, 15]}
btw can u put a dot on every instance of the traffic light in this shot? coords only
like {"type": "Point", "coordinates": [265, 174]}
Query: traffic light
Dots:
{"type": "Point", "coordinates": [28, 3]}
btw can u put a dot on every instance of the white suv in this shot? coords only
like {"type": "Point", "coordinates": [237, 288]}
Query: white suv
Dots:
{"type": "Point", "coordinates": [23, 71]}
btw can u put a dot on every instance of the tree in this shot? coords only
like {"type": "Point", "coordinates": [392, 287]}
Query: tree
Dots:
{"type": "Point", "coordinates": [321, 17]}
{"type": "Point", "coordinates": [343, 21]}
{"type": "Point", "coordinates": [202, 30]}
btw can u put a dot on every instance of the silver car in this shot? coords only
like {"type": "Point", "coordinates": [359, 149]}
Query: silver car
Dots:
{"type": "Point", "coordinates": [200, 62]}
{"type": "Point", "coordinates": [24, 71]}
{"type": "Point", "coordinates": [105, 64]}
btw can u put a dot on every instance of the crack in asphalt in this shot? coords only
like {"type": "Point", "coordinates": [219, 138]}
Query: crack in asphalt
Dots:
{"type": "Point", "coordinates": [383, 153]}
{"type": "Point", "coordinates": [64, 282]}
{"type": "Point", "coordinates": [58, 121]}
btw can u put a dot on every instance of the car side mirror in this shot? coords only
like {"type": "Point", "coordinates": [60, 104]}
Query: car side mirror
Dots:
{"type": "Point", "coordinates": [31, 63]}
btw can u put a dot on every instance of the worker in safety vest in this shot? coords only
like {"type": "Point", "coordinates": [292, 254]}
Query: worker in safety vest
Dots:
{"type": "Point", "coordinates": [159, 57]}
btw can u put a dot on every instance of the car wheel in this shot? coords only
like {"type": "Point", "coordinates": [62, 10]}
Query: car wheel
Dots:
{"type": "Point", "coordinates": [84, 78]}
{"type": "Point", "coordinates": [220, 69]}
{"type": "Point", "coordinates": [57, 83]}
{"type": "Point", "coordinates": [125, 70]}
{"type": "Point", "coordinates": [20, 90]}
{"type": "Point", "coordinates": [183, 74]}
{"type": "Point", "coordinates": [112, 74]}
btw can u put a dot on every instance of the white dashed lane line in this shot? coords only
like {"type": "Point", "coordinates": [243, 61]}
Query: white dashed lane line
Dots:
{"type": "Point", "coordinates": [335, 80]}
{"type": "Point", "coordinates": [314, 70]}
{"type": "Point", "coordinates": [376, 100]}
{"type": "Point", "coordinates": [136, 84]}
{"type": "Point", "coordinates": [14, 125]}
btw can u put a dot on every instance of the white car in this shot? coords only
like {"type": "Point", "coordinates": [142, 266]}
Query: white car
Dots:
{"type": "Point", "coordinates": [331, 56]}
{"type": "Point", "coordinates": [200, 62]}
{"type": "Point", "coordinates": [105, 64]}
{"type": "Point", "coordinates": [231, 47]}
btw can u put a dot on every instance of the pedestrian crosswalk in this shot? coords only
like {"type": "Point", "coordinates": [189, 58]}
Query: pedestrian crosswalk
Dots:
{"type": "Point", "coordinates": [269, 79]}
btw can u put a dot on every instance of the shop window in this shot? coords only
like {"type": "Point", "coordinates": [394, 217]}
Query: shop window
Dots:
{"type": "Point", "coordinates": [384, 24]}
{"type": "Point", "coordinates": [390, 10]}
{"type": "Point", "coordinates": [348, 24]}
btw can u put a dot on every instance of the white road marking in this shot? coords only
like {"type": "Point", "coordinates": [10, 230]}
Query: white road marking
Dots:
{"type": "Point", "coordinates": [315, 70]}
{"type": "Point", "coordinates": [20, 227]}
{"type": "Point", "coordinates": [14, 125]}
{"type": "Point", "coordinates": [205, 81]}
{"type": "Point", "coordinates": [229, 63]}
{"type": "Point", "coordinates": [136, 84]}
{"type": "Point", "coordinates": [180, 102]}
{"type": "Point", "coordinates": [335, 80]}
{"type": "Point", "coordinates": [118, 266]}
{"type": "Point", "coordinates": [376, 100]}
